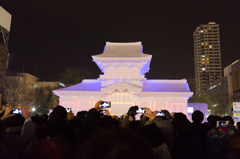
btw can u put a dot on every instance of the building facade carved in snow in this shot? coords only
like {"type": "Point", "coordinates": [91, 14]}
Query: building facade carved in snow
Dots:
{"type": "Point", "coordinates": [123, 83]}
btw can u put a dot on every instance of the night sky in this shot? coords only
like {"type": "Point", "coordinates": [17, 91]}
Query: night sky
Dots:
{"type": "Point", "coordinates": [56, 34]}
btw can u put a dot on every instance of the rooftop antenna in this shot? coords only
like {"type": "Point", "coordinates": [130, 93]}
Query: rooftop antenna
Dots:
{"type": "Point", "coordinates": [34, 73]}
{"type": "Point", "coordinates": [23, 67]}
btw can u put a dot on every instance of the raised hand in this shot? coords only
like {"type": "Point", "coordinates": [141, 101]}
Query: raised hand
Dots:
{"type": "Point", "coordinates": [97, 104]}
{"type": "Point", "coordinates": [70, 115]}
{"type": "Point", "coordinates": [155, 113]}
{"type": "Point", "coordinates": [132, 111]}
{"type": "Point", "coordinates": [149, 113]}
{"type": "Point", "coordinates": [7, 113]}
{"type": "Point", "coordinates": [107, 111]}
{"type": "Point", "coordinates": [25, 112]}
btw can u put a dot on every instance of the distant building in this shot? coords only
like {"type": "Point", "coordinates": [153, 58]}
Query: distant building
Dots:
{"type": "Point", "coordinates": [29, 79]}
{"type": "Point", "coordinates": [33, 82]}
{"type": "Point", "coordinates": [20, 89]}
{"type": "Point", "coordinates": [207, 56]}
{"type": "Point", "coordinates": [220, 94]}
{"type": "Point", "coordinates": [48, 84]}
{"type": "Point", "coordinates": [233, 72]}
{"type": "Point", "coordinates": [220, 86]}
{"type": "Point", "coordinates": [5, 25]}
{"type": "Point", "coordinates": [229, 85]}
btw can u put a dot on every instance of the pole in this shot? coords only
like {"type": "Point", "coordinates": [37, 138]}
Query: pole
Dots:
{"type": "Point", "coordinates": [23, 78]}
{"type": "Point", "coordinates": [34, 73]}
{"type": "Point", "coordinates": [23, 67]}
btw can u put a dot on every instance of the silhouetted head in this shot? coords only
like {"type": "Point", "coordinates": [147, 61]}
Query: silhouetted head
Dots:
{"type": "Point", "coordinates": [182, 126]}
{"type": "Point", "coordinates": [104, 121]}
{"type": "Point", "coordinates": [44, 118]}
{"type": "Point", "coordinates": [59, 112]}
{"type": "Point", "coordinates": [238, 125]}
{"type": "Point", "coordinates": [115, 143]}
{"type": "Point", "coordinates": [36, 120]}
{"type": "Point", "coordinates": [151, 134]}
{"type": "Point", "coordinates": [37, 115]}
{"type": "Point", "coordinates": [212, 120]}
{"type": "Point", "coordinates": [81, 114]}
{"type": "Point", "coordinates": [57, 127]}
{"type": "Point", "coordinates": [197, 116]}
{"type": "Point", "coordinates": [92, 115]}
{"type": "Point", "coordinates": [15, 120]}
{"type": "Point", "coordinates": [229, 118]}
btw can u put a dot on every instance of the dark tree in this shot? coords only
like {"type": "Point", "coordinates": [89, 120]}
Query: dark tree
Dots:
{"type": "Point", "coordinates": [45, 99]}
{"type": "Point", "coordinates": [74, 75]}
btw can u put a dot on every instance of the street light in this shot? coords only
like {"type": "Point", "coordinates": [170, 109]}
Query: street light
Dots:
{"type": "Point", "coordinates": [33, 109]}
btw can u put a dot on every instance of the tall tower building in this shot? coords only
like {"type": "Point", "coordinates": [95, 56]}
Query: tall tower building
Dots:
{"type": "Point", "coordinates": [207, 56]}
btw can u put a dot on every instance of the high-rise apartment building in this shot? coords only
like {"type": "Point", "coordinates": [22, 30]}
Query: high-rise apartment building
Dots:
{"type": "Point", "coordinates": [207, 56]}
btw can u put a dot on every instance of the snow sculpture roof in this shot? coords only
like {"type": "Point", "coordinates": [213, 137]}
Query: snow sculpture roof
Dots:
{"type": "Point", "coordinates": [124, 53]}
{"type": "Point", "coordinates": [86, 85]}
{"type": "Point", "coordinates": [149, 86]}
{"type": "Point", "coordinates": [122, 50]}
{"type": "Point", "coordinates": [165, 86]}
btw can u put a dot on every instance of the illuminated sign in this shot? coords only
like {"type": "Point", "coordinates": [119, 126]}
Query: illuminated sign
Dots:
{"type": "Point", "coordinates": [236, 112]}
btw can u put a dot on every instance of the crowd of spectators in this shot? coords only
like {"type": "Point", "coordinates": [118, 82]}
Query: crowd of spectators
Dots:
{"type": "Point", "coordinates": [94, 135]}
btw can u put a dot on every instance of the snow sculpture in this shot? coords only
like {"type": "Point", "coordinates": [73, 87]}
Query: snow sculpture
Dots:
{"type": "Point", "coordinates": [124, 84]}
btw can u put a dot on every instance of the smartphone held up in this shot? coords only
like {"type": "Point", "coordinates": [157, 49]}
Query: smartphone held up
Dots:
{"type": "Point", "coordinates": [159, 114]}
{"type": "Point", "coordinates": [105, 104]}
{"type": "Point", "coordinates": [222, 123]}
{"type": "Point", "coordinates": [103, 112]}
{"type": "Point", "coordinates": [16, 111]}
{"type": "Point", "coordinates": [140, 111]}
{"type": "Point", "coordinates": [68, 109]}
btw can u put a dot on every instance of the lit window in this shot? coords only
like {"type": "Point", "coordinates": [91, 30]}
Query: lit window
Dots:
{"type": "Point", "coordinates": [203, 69]}
{"type": "Point", "coordinates": [203, 55]}
{"type": "Point", "coordinates": [202, 43]}
{"type": "Point", "coordinates": [210, 46]}
{"type": "Point", "coordinates": [201, 31]}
